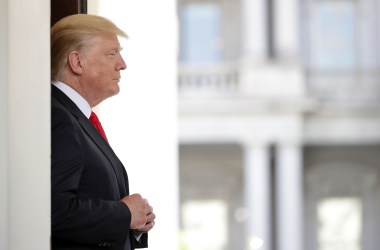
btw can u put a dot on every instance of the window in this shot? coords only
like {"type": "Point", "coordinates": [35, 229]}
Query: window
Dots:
{"type": "Point", "coordinates": [204, 225]}
{"type": "Point", "coordinates": [339, 224]}
{"type": "Point", "coordinates": [201, 40]}
{"type": "Point", "coordinates": [333, 35]}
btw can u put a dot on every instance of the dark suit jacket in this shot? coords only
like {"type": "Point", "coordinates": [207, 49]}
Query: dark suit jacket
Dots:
{"type": "Point", "coordinates": [87, 183]}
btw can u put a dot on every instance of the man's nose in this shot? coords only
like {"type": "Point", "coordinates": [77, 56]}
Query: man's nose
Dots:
{"type": "Point", "coordinates": [121, 65]}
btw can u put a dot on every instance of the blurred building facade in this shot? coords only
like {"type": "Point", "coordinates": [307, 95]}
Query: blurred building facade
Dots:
{"type": "Point", "coordinates": [279, 124]}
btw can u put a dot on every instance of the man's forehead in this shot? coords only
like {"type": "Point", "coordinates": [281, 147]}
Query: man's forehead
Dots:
{"type": "Point", "coordinates": [105, 41]}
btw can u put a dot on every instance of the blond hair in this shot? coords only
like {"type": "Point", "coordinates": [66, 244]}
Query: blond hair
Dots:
{"type": "Point", "coordinates": [71, 33]}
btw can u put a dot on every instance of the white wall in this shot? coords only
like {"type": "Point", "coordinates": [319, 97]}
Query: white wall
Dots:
{"type": "Point", "coordinates": [3, 126]}
{"type": "Point", "coordinates": [141, 121]}
{"type": "Point", "coordinates": [25, 125]}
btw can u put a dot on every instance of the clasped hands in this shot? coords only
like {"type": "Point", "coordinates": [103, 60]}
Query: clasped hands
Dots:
{"type": "Point", "coordinates": [141, 212]}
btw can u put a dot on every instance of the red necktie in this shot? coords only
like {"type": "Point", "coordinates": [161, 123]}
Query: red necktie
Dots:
{"type": "Point", "coordinates": [95, 121]}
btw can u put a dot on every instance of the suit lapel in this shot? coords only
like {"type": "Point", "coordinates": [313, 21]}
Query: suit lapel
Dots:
{"type": "Point", "coordinates": [91, 131]}
{"type": "Point", "coordinates": [106, 149]}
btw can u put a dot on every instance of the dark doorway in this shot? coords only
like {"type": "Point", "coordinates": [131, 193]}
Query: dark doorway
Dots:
{"type": "Point", "coordinates": [62, 8]}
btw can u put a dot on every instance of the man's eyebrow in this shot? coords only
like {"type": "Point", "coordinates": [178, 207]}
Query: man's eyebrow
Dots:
{"type": "Point", "coordinates": [118, 49]}
{"type": "Point", "coordinates": [114, 50]}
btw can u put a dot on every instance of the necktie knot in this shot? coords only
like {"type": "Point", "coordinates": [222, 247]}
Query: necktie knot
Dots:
{"type": "Point", "coordinates": [95, 121]}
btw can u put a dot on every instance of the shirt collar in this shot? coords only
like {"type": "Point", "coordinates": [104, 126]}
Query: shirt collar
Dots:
{"type": "Point", "coordinates": [82, 104]}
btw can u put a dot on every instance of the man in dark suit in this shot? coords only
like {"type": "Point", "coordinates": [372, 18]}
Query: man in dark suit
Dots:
{"type": "Point", "coordinates": [91, 204]}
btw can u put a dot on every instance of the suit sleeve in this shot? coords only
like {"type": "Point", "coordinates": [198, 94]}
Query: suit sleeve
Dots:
{"type": "Point", "coordinates": [82, 220]}
{"type": "Point", "coordinates": [142, 242]}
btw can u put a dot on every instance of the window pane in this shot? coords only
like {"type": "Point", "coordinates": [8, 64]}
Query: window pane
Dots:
{"type": "Point", "coordinates": [333, 43]}
{"type": "Point", "coordinates": [204, 225]}
{"type": "Point", "coordinates": [200, 33]}
{"type": "Point", "coordinates": [340, 224]}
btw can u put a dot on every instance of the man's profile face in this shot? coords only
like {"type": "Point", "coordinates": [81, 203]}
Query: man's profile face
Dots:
{"type": "Point", "coordinates": [101, 67]}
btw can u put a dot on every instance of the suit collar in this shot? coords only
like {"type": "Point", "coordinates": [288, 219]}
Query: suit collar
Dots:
{"type": "Point", "coordinates": [81, 118]}
{"type": "Point", "coordinates": [65, 101]}
{"type": "Point", "coordinates": [74, 96]}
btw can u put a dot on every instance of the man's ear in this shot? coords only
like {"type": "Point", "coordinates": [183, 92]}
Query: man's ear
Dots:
{"type": "Point", "coordinates": [75, 62]}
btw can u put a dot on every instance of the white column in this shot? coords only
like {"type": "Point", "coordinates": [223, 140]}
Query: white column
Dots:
{"type": "Point", "coordinates": [289, 203]}
{"type": "Point", "coordinates": [25, 125]}
{"type": "Point", "coordinates": [287, 29]}
{"type": "Point", "coordinates": [254, 29]}
{"type": "Point", "coordinates": [4, 128]}
{"type": "Point", "coordinates": [257, 195]}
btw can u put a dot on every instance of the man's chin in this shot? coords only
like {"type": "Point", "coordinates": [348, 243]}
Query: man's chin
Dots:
{"type": "Point", "coordinates": [116, 91]}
